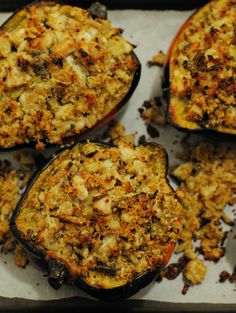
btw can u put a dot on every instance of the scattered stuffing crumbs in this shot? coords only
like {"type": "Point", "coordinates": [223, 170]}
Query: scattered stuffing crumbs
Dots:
{"type": "Point", "coordinates": [152, 131]}
{"type": "Point", "coordinates": [12, 183]}
{"type": "Point", "coordinates": [173, 270]}
{"type": "Point", "coordinates": [232, 277]}
{"type": "Point", "coordinates": [142, 140]}
{"type": "Point", "coordinates": [195, 271]}
{"type": "Point", "coordinates": [153, 114]}
{"type": "Point", "coordinates": [158, 59]}
{"type": "Point", "coordinates": [207, 185]}
{"type": "Point", "coordinates": [116, 134]}
{"type": "Point", "coordinates": [20, 256]}
{"type": "Point", "coordinates": [185, 289]}
{"type": "Point", "coordinates": [224, 275]}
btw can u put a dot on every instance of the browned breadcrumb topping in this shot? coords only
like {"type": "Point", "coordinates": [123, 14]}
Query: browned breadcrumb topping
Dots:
{"type": "Point", "coordinates": [158, 59]}
{"type": "Point", "coordinates": [108, 213]}
{"type": "Point", "coordinates": [153, 114]}
{"type": "Point", "coordinates": [202, 70]}
{"type": "Point", "coordinates": [11, 184]}
{"type": "Point", "coordinates": [208, 184]}
{"type": "Point", "coordinates": [61, 71]}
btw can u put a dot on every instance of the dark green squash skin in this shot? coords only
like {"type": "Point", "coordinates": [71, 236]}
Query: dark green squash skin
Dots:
{"type": "Point", "coordinates": [106, 119]}
{"type": "Point", "coordinates": [57, 271]}
{"type": "Point", "coordinates": [210, 133]}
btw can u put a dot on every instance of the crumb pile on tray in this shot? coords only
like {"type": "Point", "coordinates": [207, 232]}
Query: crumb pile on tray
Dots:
{"type": "Point", "coordinates": [207, 185]}
{"type": "Point", "coordinates": [12, 183]}
{"type": "Point", "coordinates": [116, 134]}
{"type": "Point", "coordinates": [152, 113]}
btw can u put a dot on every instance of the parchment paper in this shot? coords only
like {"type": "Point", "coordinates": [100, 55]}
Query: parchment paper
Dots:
{"type": "Point", "coordinates": [151, 31]}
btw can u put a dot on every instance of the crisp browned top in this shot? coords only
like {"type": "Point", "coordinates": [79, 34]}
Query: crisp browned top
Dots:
{"type": "Point", "coordinates": [107, 213]}
{"type": "Point", "coordinates": [61, 71]}
{"type": "Point", "coordinates": [202, 70]}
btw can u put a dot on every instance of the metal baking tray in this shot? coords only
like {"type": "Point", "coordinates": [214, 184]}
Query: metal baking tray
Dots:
{"type": "Point", "coordinates": [119, 4]}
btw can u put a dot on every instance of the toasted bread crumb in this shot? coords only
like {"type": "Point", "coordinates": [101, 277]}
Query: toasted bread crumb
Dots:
{"type": "Point", "coordinates": [158, 59]}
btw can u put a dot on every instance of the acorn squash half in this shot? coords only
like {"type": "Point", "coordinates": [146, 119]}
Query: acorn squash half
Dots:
{"type": "Point", "coordinates": [199, 73]}
{"type": "Point", "coordinates": [64, 72]}
{"type": "Point", "coordinates": [102, 217]}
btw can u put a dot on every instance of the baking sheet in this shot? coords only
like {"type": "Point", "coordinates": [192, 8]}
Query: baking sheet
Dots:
{"type": "Point", "coordinates": [151, 31]}
{"type": "Point", "coordinates": [118, 4]}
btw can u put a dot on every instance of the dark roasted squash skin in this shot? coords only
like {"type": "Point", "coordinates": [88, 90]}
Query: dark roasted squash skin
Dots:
{"type": "Point", "coordinates": [201, 127]}
{"type": "Point", "coordinates": [58, 273]}
{"type": "Point", "coordinates": [72, 137]}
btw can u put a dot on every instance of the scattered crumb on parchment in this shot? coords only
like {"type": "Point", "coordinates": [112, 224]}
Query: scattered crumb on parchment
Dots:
{"type": "Point", "coordinates": [12, 183]}
{"type": "Point", "coordinates": [226, 276]}
{"type": "Point", "coordinates": [153, 114]}
{"type": "Point", "coordinates": [116, 133]}
{"type": "Point", "coordinates": [207, 184]}
{"type": "Point", "coordinates": [157, 59]}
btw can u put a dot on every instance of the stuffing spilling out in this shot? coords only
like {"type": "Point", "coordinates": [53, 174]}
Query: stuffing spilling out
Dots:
{"type": "Point", "coordinates": [207, 184]}
{"type": "Point", "coordinates": [158, 59]}
{"type": "Point", "coordinates": [116, 133]}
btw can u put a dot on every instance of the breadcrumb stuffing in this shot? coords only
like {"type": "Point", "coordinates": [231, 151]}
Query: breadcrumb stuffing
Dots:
{"type": "Point", "coordinates": [202, 70]}
{"type": "Point", "coordinates": [207, 184]}
{"type": "Point", "coordinates": [106, 212]}
{"type": "Point", "coordinates": [70, 86]}
{"type": "Point", "coordinates": [12, 183]}
{"type": "Point", "coordinates": [153, 112]}
{"type": "Point", "coordinates": [195, 271]}
{"type": "Point", "coordinates": [20, 257]}
{"type": "Point", "coordinates": [158, 59]}
{"type": "Point", "coordinates": [116, 134]}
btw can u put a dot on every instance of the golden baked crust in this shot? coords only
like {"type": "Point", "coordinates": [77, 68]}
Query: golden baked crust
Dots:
{"type": "Point", "coordinates": [202, 70]}
{"type": "Point", "coordinates": [61, 71]}
{"type": "Point", "coordinates": [107, 213]}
